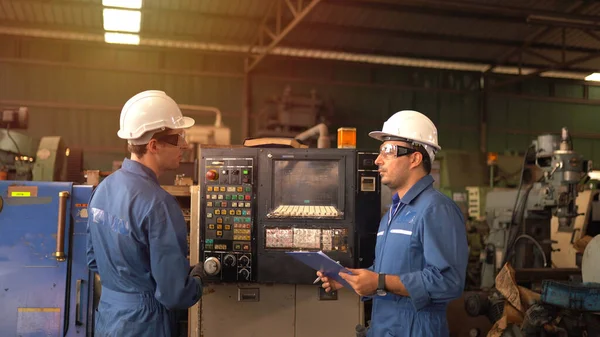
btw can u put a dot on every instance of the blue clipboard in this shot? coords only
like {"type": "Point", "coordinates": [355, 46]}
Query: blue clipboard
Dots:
{"type": "Point", "coordinates": [321, 262]}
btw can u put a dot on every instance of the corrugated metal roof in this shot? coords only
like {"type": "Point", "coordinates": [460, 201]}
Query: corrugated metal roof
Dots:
{"type": "Point", "coordinates": [480, 30]}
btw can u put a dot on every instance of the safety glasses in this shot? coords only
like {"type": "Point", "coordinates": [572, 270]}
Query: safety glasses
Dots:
{"type": "Point", "coordinates": [175, 139]}
{"type": "Point", "coordinates": [391, 151]}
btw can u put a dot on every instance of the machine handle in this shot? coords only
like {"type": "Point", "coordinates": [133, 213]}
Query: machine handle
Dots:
{"type": "Point", "coordinates": [78, 302]}
{"type": "Point", "coordinates": [573, 234]}
{"type": "Point", "coordinates": [62, 221]}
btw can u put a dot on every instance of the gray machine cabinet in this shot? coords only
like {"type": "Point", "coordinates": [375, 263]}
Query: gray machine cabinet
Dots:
{"type": "Point", "coordinates": [264, 310]}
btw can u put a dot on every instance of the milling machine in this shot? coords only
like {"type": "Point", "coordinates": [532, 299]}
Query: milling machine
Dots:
{"type": "Point", "coordinates": [519, 220]}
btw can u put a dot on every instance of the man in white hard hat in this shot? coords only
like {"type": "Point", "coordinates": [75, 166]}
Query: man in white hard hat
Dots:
{"type": "Point", "coordinates": [137, 235]}
{"type": "Point", "coordinates": [421, 252]}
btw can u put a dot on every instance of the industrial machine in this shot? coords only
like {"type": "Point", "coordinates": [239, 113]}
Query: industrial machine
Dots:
{"type": "Point", "coordinates": [253, 205]}
{"type": "Point", "coordinates": [24, 158]}
{"type": "Point", "coordinates": [46, 288]}
{"type": "Point", "coordinates": [289, 114]}
{"type": "Point", "coordinates": [520, 220]}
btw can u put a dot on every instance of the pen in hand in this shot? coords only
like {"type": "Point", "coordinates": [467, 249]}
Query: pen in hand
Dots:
{"type": "Point", "coordinates": [318, 278]}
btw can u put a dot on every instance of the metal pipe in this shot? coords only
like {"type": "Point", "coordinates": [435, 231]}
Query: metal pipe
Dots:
{"type": "Point", "coordinates": [62, 221]}
{"type": "Point", "coordinates": [204, 108]}
{"type": "Point", "coordinates": [319, 129]}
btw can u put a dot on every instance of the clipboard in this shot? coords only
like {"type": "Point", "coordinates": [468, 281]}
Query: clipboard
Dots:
{"type": "Point", "coordinates": [321, 262]}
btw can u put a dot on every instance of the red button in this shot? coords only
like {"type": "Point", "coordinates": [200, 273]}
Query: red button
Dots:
{"type": "Point", "coordinates": [247, 197]}
{"type": "Point", "coordinates": [212, 175]}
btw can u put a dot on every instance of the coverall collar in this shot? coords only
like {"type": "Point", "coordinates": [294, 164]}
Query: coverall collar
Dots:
{"type": "Point", "coordinates": [414, 191]}
{"type": "Point", "coordinates": [139, 169]}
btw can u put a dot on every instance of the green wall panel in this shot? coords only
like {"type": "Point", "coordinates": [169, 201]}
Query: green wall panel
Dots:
{"type": "Point", "coordinates": [77, 91]}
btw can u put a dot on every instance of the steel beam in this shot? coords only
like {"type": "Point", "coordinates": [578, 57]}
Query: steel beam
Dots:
{"type": "Point", "coordinates": [557, 66]}
{"type": "Point", "coordinates": [530, 39]}
{"type": "Point", "coordinates": [276, 34]}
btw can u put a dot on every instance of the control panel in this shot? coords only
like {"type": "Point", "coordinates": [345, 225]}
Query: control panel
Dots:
{"type": "Point", "coordinates": [228, 189]}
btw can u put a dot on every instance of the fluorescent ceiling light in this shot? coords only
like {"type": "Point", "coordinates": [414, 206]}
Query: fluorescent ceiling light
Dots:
{"type": "Point", "coordinates": [593, 77]}
{"type": "Point", "coordinates": [121, 38]}
{"type": "Point", "coordinates": [133, 4]}
{"type": "Point", "coordinates": [122, 20]}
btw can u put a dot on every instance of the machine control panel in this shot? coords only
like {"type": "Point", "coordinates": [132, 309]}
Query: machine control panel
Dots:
{"type": "Point", "coordinates": [228, 213]}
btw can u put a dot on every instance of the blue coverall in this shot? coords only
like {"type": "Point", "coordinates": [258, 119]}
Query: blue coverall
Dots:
{"type": "Point", "coordinates": [137, 243]}
{"type": "Point", "coordinates": [423, 240]}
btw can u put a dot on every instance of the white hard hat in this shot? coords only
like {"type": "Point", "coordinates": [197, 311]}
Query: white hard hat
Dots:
{"type": "Point", "coordinates": [148, 112]}
{"type": "Point", "coordinates": [411, 126]}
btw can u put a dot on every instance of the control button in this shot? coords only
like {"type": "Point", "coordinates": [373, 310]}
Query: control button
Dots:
{"type": "Point", "coordinates": [209, 188]}
{"type": "Point", "coordinates": [248, 189]}
{"type": "Point", "coordinates": [212, 175]}
{"type": "Point", "coordinates": [244, 274]}
{"type": "Point", "coordinates": [223, 189]}
{"type": "Point", "coordinates": [234, 197]}
{"type": "Point", "coordinates": [223, 211]}
{"type": "Point", "coordinates": [211, 226]}
{"type": "Point", "coordinates": [240, 189]}
{"type": "Point", "coordinates": [232, 212]}
{"type": "Point", "coordinates": [217, 212]}
{"type": "Point", "coordinates": [239, 212]}
{"type": "Point", "coordinates": [247, 205]}
{"type": "Point", "coordinates": [219, 226]}
{"type": "Point", "coordinates": [227, 227]}
{"type": "Point", "coordinates": [237, 246]}
{"type": "Point", "coordinates": [219, 234]}
{"type": "Point", "coordinates": [244, 260]}
{"type": "Point", "coordinates": [228, 197]}
{"type": "Point", "coordinates": [248, 219]}
{"type": "Point", "coordinates": [209, 215]}
{"type": "Point", "coordinates": [219, 220]}
{"type": "Point", "coordinates": [223, 203]}
{"type": "Point", "coordinates": [236, 219]}
{"type": "Point", "coordinates": [247, 197]}
{"type": "Point", "coordinates": [212, 266]}
{"type": "Point", "coordinates": [245, 180]}
{"type": "Point", "coordinates": [230, 188]}
{"type": "Point", "coordinates": [244, 212]}
{"type": "Point", "coordinates": [213, 197]}
{"type": "Point", "coordinates": [246, 247]}
{"type": "Point", "coordinates": [209, 204]}
{"type": "Point", "coordinates": [229, 260]}
{"type": "Point", "coordinates": [248, 212]}
{"type": "Point", "coordinates": [234, 204]}
{"type": "Point", "coordinates": [220, 197]}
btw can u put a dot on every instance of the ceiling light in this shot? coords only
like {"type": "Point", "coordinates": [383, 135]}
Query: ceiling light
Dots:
{"type": "Point", "coordinates": [121, 38]}
{"type": "Point", "coordinates": [593, 77]}
{"type": "Point", "coordinates": [122, 20]}
{"type": "Point", "coordinates": [133, 4]}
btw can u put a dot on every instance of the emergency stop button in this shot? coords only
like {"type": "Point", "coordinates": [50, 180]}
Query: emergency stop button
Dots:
{"type": "Point", "coordinates": [212, 175]}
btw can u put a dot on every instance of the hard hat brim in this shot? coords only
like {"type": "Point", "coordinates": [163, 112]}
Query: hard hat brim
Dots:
{"type": "Point", "coordinates": [187, 122]}
{"type": "Point", "coordinates": [379, 135]}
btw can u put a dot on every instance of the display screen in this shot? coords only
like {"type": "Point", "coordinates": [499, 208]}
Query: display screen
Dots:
{"type": "Point", "coordinates": [306, 182]}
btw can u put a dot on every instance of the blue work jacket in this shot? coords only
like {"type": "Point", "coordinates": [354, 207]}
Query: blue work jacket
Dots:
{"type": "Point", "coordinates": [423, 240]}
{"type": "Point", "coordinates": [137, 242]}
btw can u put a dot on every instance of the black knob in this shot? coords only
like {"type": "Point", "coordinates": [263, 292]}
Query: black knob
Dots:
{"type": "Point", "coordinates": [244, 274]}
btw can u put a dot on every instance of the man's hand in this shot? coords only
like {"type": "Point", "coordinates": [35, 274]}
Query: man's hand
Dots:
{"type": "Point", "coordinates": [329, 284]}
{"type": "Point", "coordinates": [198, 271]}
{"type": "Point", "coordinates": [363, 281]}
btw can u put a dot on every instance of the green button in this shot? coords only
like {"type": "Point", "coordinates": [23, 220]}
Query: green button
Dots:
{"type": "Point", "coordinates": [234, 197]}
{"type": "Point", "coordinates": [248, 220]}
{"type": "Point", "coordinates": [248, 189]}
{"type": "Point", "coordinates": [236, 219]}
{"type": "Point", "coordinates": [241, 197]}
{"type": "Point", "coordinates": [228, 197]}
{"type": "Point", "coordinates": [244, 212]}
{"type": "Point", "coordinates": [245, 171]}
